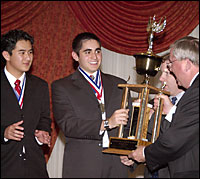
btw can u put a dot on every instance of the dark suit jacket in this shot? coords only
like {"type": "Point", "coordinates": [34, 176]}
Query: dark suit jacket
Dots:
{"type": "Point", "coordinates": [164, 171]}
{"type": "Point", "coordinates": [36, 115]}
{"type": "Point", "coordinates": [77, 113]}
{"type": "Point", "coordinates": [178, 146]}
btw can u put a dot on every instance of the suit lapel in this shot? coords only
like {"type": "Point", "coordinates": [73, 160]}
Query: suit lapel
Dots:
{"type": "Point", "coordinates": [8, 90]}
{"type": "Point", "coordinates": [107, 89]}
{"type": "Point", "coordinates": [28, 93]}
{"type": "Point", "coordinates": [80, 81]}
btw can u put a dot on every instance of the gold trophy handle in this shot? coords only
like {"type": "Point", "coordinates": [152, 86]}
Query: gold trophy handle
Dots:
{"type": "Point", "coordinates": [157, 118]}
{"type": "Point", "coordinates": [123, 106]}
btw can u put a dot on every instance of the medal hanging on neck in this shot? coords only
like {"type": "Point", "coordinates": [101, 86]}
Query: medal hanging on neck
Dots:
{"type": "Point", "coordinates": [98, 89]}
{"type": "Point", "coordinates": [96, 86]}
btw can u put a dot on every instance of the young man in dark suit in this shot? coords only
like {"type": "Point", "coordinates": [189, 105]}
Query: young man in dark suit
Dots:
{"type": "Point", "coordinates": [25, 110]}
{"type": "Point", "coordinates": [86, 107]}
{"type": "Point", "coordinates": [178, 146]}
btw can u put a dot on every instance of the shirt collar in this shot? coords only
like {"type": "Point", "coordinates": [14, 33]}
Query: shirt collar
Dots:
{"type": "Point", "coordinates": [94, 74]}
{"type": "Point", "coordinates": [12, 79]}
{"type": "Point", "coordinates": [178, 96]}
{"type": "Point", "coordinates": [193, 78]}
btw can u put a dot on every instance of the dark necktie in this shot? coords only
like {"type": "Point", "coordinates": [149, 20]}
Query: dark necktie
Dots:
{"type": "Point", "coordinates": [17, 87]}
{"type": "Point", "coordinates": [174, 100]}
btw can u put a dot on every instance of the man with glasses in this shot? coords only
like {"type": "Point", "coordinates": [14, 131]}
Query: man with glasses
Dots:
{"type": "Point", "coordinates": [178, 146]}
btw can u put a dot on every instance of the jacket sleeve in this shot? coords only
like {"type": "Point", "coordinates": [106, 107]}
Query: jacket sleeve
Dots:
{"type": "Point", "coordinates": [181, 136]}
{"type": "Point", "coordinates": [45, 121]}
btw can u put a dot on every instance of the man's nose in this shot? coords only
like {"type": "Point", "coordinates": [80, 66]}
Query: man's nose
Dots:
{"type": "Point", "coordinates": [94, 55]}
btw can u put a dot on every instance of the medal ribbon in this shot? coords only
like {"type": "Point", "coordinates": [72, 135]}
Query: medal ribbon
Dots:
{"type": "Point", "coordinates": [97, 85]}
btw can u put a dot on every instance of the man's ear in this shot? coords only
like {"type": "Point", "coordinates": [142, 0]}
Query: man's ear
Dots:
{"type": "Point", "coordinates": [75, 56]}
{"type": "Point", "coordinates": [188, 64]}
{"type": "Point", "coordinates": [6, 55]}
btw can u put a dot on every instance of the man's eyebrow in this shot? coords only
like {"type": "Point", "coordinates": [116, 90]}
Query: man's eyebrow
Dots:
{"type": "Point", "coordinates": [87, 50]}
{"type": "Point", "coordinates": [98, 49]}
{"type": "Point", "coordinates": [23, 50]}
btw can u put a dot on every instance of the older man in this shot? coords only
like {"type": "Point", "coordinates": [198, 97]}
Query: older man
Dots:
{"type": "Point", "coordinates": [178, 146]}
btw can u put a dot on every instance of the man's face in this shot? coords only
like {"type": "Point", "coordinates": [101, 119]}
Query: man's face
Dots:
{"type": "Point", "coordinates": [169, 79]}
{"type": "Point", "coordinates": [177, 67]}
{"type": "Point", "coordinates": [90, 56]}
{"type": "Point", "coordinates": [21, 59]}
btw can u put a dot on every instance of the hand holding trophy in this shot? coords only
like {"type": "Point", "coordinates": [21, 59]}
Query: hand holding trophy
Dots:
{"type": "Point", "coordinates": [147, 64]}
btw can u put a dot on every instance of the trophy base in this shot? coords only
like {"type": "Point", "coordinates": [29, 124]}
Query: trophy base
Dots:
{"type": "Point", "coordinates": [124, 146]}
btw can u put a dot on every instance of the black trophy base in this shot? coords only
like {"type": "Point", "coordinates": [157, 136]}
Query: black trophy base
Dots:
{"type": "Point", "coordinates": [123, 146]}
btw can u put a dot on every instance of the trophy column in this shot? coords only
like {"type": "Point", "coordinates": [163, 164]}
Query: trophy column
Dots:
{"type": "Point", "coordinates": [147, 64]}
{"type": "Point", "coordinates": [123, 106]}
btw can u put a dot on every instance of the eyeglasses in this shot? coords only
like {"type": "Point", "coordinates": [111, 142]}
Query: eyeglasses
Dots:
{"type": "Point", "coordinates": [170, 64]}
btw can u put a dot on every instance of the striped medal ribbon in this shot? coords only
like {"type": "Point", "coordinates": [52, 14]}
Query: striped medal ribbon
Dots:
{"type": "Point", "coordinates": [96, 85]}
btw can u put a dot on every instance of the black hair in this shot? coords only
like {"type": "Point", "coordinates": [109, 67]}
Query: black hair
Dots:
{"type": "Point", "coordinates": [78, 40]}
{"type": "Point", "coordinates": [9, 40]}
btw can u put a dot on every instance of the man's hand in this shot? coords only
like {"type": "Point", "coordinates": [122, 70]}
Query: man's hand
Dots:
{"type": "Point", "coordinates": [126, 161]}
{"type": "Point", "coordinates": [138, 154]}
{"type": "Point", "coordinates": [167, 104]}
{"type": "Point", "coordinates": [43, 137]}
{"type": "Point", "coordinates": [120, 116]}
{"type": "Point", "coordinates": [14, 131]}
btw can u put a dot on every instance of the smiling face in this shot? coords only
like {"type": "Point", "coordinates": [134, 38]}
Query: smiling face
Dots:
{"type": "Point", "coordinates": [21, 59]}
{"type": "Point", "coordinates": [90, 56]}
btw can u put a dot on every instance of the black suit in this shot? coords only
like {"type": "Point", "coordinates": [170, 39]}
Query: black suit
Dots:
{"type": "Point", "coordinates": [164, 171]}
{"type": "Point", "coordinates": [178, 146]}
{"type": "Point", "coordinates": [35, 113]}
{"type": "Point", "coordinates": [77, 112]}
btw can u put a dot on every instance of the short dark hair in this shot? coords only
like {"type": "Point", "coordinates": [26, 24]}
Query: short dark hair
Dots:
{"type": "Point", "coordinates": [9, 40]}
{"type": "Point", "coordinates": [78, 40]}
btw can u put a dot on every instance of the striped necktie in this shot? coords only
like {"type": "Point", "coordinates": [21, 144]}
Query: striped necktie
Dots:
{"type": "Point", "coordinates": [18, 88]}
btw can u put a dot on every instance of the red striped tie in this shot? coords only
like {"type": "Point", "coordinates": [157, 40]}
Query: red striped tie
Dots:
{"type": "Point", "coordinates": [17, 87]}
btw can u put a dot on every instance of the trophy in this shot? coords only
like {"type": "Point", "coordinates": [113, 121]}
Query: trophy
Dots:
{"type": "Point", "coordinates": [147, 64]}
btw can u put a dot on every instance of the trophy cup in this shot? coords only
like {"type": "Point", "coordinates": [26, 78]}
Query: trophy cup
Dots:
{"type": "Point", "coordinates": [147, 64]}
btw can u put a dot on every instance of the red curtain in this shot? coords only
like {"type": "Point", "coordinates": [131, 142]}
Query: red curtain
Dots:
{"type": "Point", "coordinates": [17, 14]}
{"type": "Point", "coordinates": [121, 25]}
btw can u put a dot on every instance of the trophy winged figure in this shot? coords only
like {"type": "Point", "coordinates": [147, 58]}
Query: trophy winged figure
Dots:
{"type": "Point", "coordinates": [152, 27]}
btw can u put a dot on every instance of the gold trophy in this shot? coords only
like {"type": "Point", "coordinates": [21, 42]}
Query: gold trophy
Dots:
{"type": "Point", "coordinates": [147, 64]}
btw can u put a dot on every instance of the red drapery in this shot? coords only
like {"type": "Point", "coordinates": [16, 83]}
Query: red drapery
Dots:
{"type": "Point", "coordinates": [17, 14]}
{"type": "Point", "coordinates": [121, 25]}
